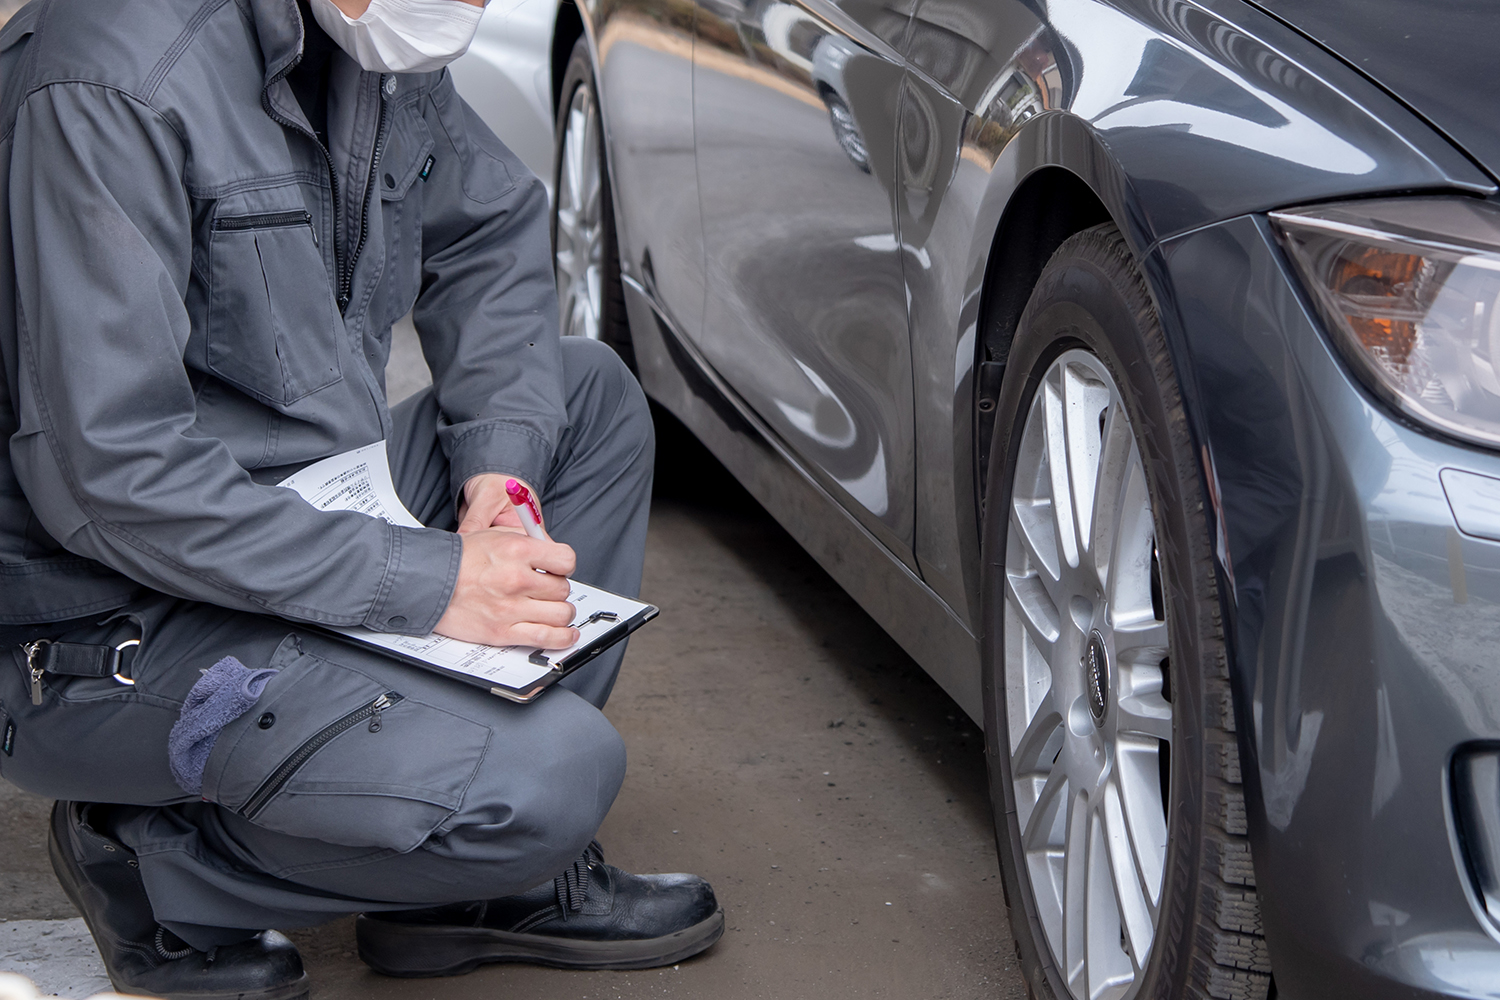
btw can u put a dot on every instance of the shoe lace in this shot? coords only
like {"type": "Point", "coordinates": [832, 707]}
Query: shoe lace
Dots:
{"type": "Point", "coordinates": [573, 884]}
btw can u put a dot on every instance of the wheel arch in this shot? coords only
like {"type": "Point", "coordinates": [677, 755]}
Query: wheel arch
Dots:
{"type": "Point", "coordinates": [1053, 179]}
{"type": "Point", "coordinates": [1051, 204]}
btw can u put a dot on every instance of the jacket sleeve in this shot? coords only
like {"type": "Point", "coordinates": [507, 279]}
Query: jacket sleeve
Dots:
{"type": "Point", "coordinates": [487, 310]}
{"type": "Point", "coordinates": [106, 451]}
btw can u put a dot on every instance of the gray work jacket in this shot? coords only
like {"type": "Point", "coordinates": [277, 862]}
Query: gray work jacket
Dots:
{"type": "Point", "coordinates": [196, 297]}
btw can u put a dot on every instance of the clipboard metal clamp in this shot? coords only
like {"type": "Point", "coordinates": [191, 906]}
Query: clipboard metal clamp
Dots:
{"type": "Point", "coordinates": [540, 658]}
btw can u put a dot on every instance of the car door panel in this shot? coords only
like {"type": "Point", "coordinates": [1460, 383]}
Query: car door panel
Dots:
{"type": "Point", "coordinates": [806, 313]}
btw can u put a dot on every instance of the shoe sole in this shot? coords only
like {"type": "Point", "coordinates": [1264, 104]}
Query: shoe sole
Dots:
{"type": "Point", "coordinates": [410, 951]}
{"type": "Point", "coordinates": [292, 991]}
{"type": "Point", "coordinates": [70, 876]}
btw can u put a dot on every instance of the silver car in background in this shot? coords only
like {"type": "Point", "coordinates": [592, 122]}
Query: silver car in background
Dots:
{"type": "Point", "coordinates": [506, 76]}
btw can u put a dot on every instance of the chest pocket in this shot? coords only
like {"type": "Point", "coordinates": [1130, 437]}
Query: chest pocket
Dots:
{"type": "Point", "coordinates": [407, 152]}
{"type": "Point", "coordinates": [273, 325]}
{"type": "Point", "coordinates": [405, 163]}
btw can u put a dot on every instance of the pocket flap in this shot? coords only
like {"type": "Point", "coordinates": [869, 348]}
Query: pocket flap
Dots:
{"type": "Point", "coordinates": [343, 760]}
{"type": "Point", "coordinates": [407, 150]}
{"type": "Point", "coordinates": [273, 324]}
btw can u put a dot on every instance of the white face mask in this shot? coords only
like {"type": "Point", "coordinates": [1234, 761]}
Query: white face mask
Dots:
{"type": "Point", "coordinates": [402, 36]}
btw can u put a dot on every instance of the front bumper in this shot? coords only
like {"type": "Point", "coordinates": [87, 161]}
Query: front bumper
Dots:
{"type": "Point", "coordinates": [1365, 635]}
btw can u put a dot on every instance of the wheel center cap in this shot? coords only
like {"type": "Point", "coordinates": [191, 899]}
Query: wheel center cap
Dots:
{"type": "Point", "coordinates": [1096, 675]}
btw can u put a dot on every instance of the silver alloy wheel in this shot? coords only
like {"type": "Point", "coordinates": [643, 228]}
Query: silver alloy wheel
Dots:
{"type": "Point", "coordinates": [1086, 691]}
{"type": "Point", "coordinates": [580, 222]}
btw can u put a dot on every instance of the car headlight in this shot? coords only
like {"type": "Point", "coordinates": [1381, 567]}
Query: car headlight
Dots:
{"type": "Point", "coordinates": [1410, 289]}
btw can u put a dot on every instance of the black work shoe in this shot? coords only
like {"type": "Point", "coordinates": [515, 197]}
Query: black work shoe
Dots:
{"type": "Point", "coordinates": [103, 879]}
{"type": "Point", "coordinates": [592, 916]}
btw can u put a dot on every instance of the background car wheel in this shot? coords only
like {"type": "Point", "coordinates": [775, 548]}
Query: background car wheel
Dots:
{"type": "Point", "coordinates": [585, 254]}
{"type": "Point", "coordinates": [846, 129]}
{"type": "Point", "coordinates": [1114, 771]}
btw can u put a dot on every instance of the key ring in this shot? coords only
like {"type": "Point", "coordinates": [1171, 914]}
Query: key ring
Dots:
{"type": "Point", "coordinates": [120, 678]}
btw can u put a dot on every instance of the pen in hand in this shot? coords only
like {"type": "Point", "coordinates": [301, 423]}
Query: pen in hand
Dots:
{"type": "Point", "coordinates": [495, 602]}
{"type": "Point", "coordinates": [526, 508]}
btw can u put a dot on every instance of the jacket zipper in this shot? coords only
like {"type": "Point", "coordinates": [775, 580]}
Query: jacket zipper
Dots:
{"type": "Point", "coordinates": [346, 285]}
{"type": "Point", "coordinates": [269, 220]}
{"type": "Point", "coordinates": [318, 741]}
{"type": "Point", "coordinates": [333, 175]}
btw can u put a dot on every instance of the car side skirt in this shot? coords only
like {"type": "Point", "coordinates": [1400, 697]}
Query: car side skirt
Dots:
{"type": "Point", "coordinates": [677, 376]}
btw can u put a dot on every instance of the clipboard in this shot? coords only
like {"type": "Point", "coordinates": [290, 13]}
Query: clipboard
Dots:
{"type": "Point", "coordinates": [497, 669]}
{"type": "Point", "coordinates": [360, 480]}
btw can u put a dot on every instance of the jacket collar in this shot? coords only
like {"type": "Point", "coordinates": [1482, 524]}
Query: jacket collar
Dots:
{"type": "Point", "coordinates": [278, 24]}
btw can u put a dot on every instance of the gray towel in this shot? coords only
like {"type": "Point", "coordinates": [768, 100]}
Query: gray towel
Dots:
{"type": "Point", "coordinates": [224, 693]}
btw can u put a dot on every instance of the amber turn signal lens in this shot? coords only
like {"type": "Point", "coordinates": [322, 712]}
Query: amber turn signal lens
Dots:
{"type": "Point", "coordinates": [1376, 288]}
{"type": "Point", "coordinates": [1409, 291]}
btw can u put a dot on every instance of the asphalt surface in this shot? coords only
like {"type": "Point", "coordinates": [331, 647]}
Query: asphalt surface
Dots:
{"type": "Point", "coordinates": [781, 745]}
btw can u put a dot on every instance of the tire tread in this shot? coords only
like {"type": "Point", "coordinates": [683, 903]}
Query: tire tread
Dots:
{"type": "Point", "coordinates": [1232, 960]}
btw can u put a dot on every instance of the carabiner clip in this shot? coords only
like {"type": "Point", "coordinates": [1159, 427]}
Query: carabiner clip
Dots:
{"type": "Point", "coordinates": [33, 650]}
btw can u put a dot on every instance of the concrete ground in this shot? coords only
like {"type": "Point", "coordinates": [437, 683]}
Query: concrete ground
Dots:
{"type": "Point", "coordinates": [781, 745]}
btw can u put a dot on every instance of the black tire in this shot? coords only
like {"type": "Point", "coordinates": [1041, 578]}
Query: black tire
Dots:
{"type": "Point", "coordinates": [1208, 941]}
{"type": "Point", "coordinates": [614, 326]}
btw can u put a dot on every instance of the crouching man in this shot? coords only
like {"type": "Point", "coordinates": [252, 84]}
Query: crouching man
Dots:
{"type": "Point", "coordinates": [213, 211]}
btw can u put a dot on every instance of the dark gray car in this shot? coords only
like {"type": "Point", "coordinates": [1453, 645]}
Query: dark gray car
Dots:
{"type": "Point", "coordinates": [1136, 364]}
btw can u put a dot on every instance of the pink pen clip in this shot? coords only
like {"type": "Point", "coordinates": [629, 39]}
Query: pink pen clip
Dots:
{"type": "Point", "coordinates": [525, 504]}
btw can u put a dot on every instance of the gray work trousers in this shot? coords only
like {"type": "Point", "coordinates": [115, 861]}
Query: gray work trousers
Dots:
{"type": "Point", "coordinates": [459, 794]}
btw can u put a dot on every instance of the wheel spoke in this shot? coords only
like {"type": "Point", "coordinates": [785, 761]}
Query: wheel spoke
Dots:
{"type": "Point", "coordinates": [1039, 590]}
{"type": "Point", "coordinates": [567, 219]}
{"type": "Point", "coordinates": [1037, 834]}
{"type": "Point", "coordinates": [1084, 398]}
{"type": "Point", "coordinates": [1145, 715]}
{"type": "Point", "coordinates": [589, 174]}
{"type": "Point", "coordinates": [1038, 744]}
{"type": "Point", "coordinates": [1035, 523]}
{"type": "Point", "coordinates": [567, 201]}
{"type": "Point", "coordinates": [574, 163]}
{"type": "Point", "coordinates": [1128, 589]}
{"type": "Point", "coordinates": [1114, 459]}
{"type": "Point", "coordinates": [1110, 969]}
{"type": "Point", "coordinates": [594, 284]}
{"type": "Point", "coordinates": [1031, 503]}
{"type": "Point", "coordinates": [1037, 612]}
{"type": "Point", "coordinates": [1057, 465]}
{"type": "Point", "coordinates": [1126, 877]}
{"type": "Point", "coordinates": [1075, 896]}
{"type": "Point", "coordinates": [1140, 639]}
{"type": "Point", "coordinates": [1138, 765]}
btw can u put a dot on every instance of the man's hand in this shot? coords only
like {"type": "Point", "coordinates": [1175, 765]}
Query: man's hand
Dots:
{"type": "Point", "coordinates": [485, 504]}
{"type": "Point", "coordinates": [500, 598]}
